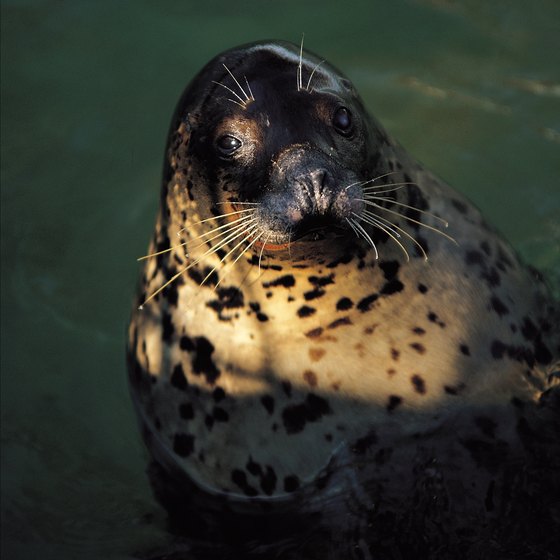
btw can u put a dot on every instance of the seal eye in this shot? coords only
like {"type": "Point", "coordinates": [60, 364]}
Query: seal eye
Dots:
{"type": "Point", "coordinates": [228, 144]}
{"type": "Point", "coordinates": [342, 121]}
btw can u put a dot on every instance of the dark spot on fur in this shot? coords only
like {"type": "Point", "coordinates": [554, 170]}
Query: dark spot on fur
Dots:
{"type": "Point", "coordinates": [366, 303]}
{"type": "Point", "coordinates": [178, 379]}
{"type": "Point", "coordinates": [542, 353]}
{"type": "Point", "coordinates": [305, 311]}
{"type": "Point", "coordinates": [291, 483]}
{"type": "Point", "coordinates": [461, 207]}
{"type": "Point", "coordinates": [186, 343]}
{"type": "Point", "coordinates": [486, 425]}
{"type": "Point", "coordinates": [464, 349]}
{"type": "Point", "coordinates": [268, 403]}
{"type": "Point", "coordinates": [433, 318]}
{"type": "Point", "coordinates": [228, 298]}
{"type": "Point", "coordinates": [393, 402]}
{"type": "Point", "coordinates": [253, 467]}
{"type": "Point", "coordinates": [487, 455]}
{"type": "Point", "coordinates": [218, 394]}
{"type": "Point", "coordinates": [202, 350]}
{"type": "Point", "coordinates": [183, 444]}
{"type": "Point", "coordinates": [473, 256]}
{"type": "Point", "coordinates": [219, 414]}
{"type": "Point", "coordinates": [419, 384]}
{"type": "Point", "coordinates": [268, 481]}
{"type": "Point", "coordinates": [239, 478]}
{"type": "Point", "coordinates": [310, 378]}
{"type": "Point", "coordinates": [392, 287]}
{"type": "Point", "coordinates": [422, 288]}
{"type": "Point", "coordinates": [451, 390]}
{"type": "Point", "coordinates": [492, 277]}
{"type": "Point", "coordinates": [287, 281]}
{"type": "Point", "coordinates": [485, 247]}
{"type": "Point", "coordinates": [498, 306]}
{"type": "Point", "coordinates": [343, 304]}
{"type": "Point", "coordinates": [420, 348]}
{"type": "Point", "coordinates": [343, 260]}
{"type": "Point", "coordinates": [319, 281]}
{"type": "Point", "coordinates": [287, 388]}
{"type": "Point", "coordinates": [419, 331]}
{"type": "Point", "coordinates": [314, 294]}
{"type": "Point", "coordinates": [361, 445]}
{"type": "Point", "coordinates": [167, 327]}
{"type": "Point", "coordinates": [498, 349]}
{"type": "Point", "coordinates": [390, 269]}
{"type": "Point", "coordinates": [339, 322]}
{"type": "Point", "coordinates": [528, 329]}
{"type": "Point", "coordinates": [262, 317]}
{"type": "Point", "coordinates": [311, 410]}
{"type": "Point", "coordinates": [171, 293]}
{"type": "Point", "coordinates": [314, 333]}
{"type": "Point", "coordinates": [395, 354]}
{"type": "Point", "coordinates": [186, 411]}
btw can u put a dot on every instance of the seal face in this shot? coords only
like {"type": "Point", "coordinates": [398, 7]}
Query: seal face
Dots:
{"type": "Point", "coordinates": [310, 335]}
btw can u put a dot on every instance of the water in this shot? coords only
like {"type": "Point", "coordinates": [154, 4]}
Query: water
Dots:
{"type": "Point", "coordinates": [471, 88]}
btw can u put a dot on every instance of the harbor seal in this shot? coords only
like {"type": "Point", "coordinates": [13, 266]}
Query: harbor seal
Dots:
{"type": "Point", "coordinates": [328, 339]}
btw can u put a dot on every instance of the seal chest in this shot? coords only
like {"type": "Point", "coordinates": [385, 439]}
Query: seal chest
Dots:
{"type": "Point", "coordinates": [307, 321]}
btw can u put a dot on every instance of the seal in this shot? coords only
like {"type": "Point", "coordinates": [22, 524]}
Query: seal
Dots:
{"type": "Point", "coordinates": [328, 339]}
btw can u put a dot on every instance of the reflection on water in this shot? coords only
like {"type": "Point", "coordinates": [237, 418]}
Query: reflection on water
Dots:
{"type": "Point", "coordinates": [470, 88]}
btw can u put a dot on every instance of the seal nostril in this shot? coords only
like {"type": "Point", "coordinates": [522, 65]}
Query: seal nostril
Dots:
{"type": "Point", "coordinates": [319, 180]}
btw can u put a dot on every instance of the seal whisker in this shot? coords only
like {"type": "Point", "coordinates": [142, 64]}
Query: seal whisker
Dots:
{"type": "Point", "coordinates": [404, 232]}
{"type": "Point", "coordinates": [232, 236]}
{"type": "Point", "coordinates": [362, 183]}
{"type": "Point", "coordinates": [247, 98]}
{"type": "Point", "coordinates": [143, 258]}
{"type": "Point", "coordinates": [247, 234]}
{"type": "Point", "coordinates": [393, 201]}
{"type": "Point", "coordinates": [388, 190]}
{"type": "Point", "coordinates": [365, 235]}
{"type": "Point", "coordinates": [227, 232]}
{"type": "Point", "coordinates": [388, 186]}
{"type": "Point", "coordinates": [156, 292]}
{"type": "Point", "coordinates": [371, 219]}
{"type": "Point", "coordinates": [262, 250]}
{"type": "Point", "coordinates": [240, 102]}
{"type": "Point", "coordinates": [300, 64]}
{"type": "Point", "coordinates": [228, 228]}
{"type": "Point", "coordinates": [237, 202]}
{"type": "Point", "coordinates": [200, 236]}
{"type": "Point", "coordinates": [231, 264]}
{"type": "Point", "coordinates": [410, 220]}
{"type": "Point", "coordinates": [249, 88]}
{"type": "Point", "coordinates": [222, 216]}
{"type": "Point", "coordinates": [312, 74]}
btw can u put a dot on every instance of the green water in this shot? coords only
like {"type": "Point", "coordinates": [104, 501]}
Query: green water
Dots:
{"type": "Point", "coordinates": [472, 88]}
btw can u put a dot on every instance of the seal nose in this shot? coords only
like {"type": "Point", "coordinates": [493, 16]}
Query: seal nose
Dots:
{"type": "Point", "coordinates": [315, 185]}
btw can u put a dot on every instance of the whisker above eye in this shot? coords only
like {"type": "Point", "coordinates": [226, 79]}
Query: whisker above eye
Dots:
{"type": "Point", "coordinates": [247, 98]}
